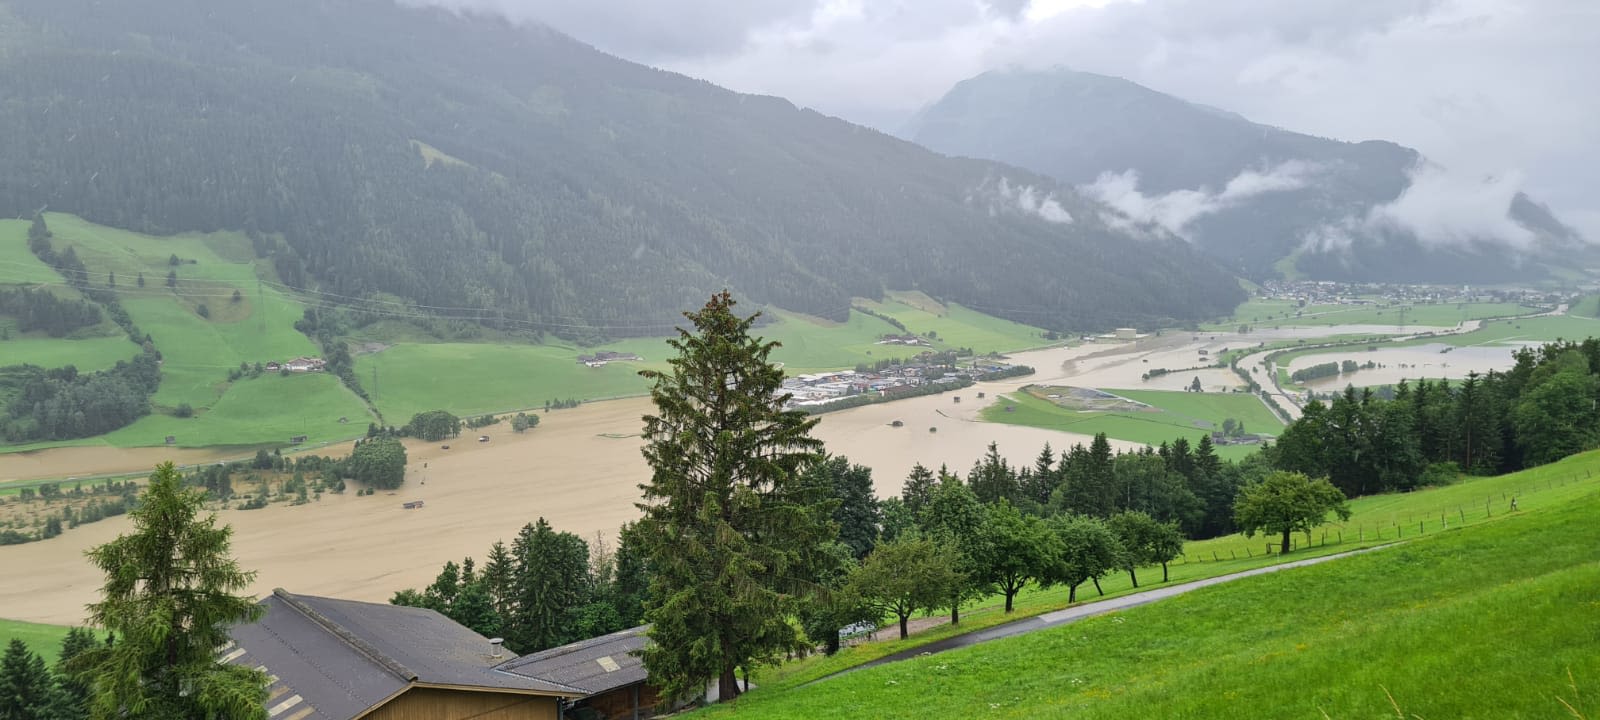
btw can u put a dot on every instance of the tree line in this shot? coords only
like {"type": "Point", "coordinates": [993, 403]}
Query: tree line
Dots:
{"type": "Point", "coordinates": [547, 589]}
{"type": "Point", "coordinates": [1539, 411]}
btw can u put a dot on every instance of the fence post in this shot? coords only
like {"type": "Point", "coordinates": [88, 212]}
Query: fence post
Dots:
{"type": "Point", "coordinates": [1248, 552]}
{"type": "Point", "coordinates": [1419, 528]}
{"type": "Point", "coordinates": [1399, 532]}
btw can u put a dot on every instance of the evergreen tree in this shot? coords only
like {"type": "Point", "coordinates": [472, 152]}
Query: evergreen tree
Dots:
{"type": "Point", "coordinates": [169, 599]}
{"type": "Point", "coordinates": [550, 586]}
{"type": "Point", "coordinates": [919, 485]}
{"type": "Point", "coordinates": [857, 513]}
{"type": "Point", "coordinates": [26, 692]}
{"type": "Point", "coordinates": [730, 531]}
{"type": "Point", "coordinates": [992, 478]}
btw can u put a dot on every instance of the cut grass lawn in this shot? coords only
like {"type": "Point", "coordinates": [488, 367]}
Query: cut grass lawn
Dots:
{"type": "Point", "coordinates": [1485, 621]}
{"type": "Point", "coordinates": [1375, 520]}
{"type": "Point", "coordinates": [1191, 415]}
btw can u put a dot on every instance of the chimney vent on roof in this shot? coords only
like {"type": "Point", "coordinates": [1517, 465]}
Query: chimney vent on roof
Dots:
{"type": "Point", "coordinates": [495, 647]}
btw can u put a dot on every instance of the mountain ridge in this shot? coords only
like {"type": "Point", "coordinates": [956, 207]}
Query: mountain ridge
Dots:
{"type": "Point", "coordinates": [1349, 215]}
{"type": "Point", "coordinates": [589, 188]}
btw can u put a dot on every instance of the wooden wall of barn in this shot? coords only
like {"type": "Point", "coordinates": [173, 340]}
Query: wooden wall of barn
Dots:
{"type": "Point", "coordinates": [439, 704]}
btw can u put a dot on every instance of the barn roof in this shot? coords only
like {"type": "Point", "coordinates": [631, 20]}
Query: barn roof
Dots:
{"type": "Point", "coordinates": [595, 666]}
{"type": "Point", "coordinates": [336, 659]}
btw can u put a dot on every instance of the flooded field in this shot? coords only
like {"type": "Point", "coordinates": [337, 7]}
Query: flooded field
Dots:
{"type": "Point", "coordinates": [580, 469]}
{"type": "Point", "coordinates": [1411, 363]}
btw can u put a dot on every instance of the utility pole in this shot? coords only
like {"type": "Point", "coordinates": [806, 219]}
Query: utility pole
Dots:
{"type": "Point", "coordinates": [261, 304]}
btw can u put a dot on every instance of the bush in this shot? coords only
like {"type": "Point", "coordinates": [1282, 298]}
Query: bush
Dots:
{"type": "Point", "coordinates": [1441, 473]}
{"type": "Point", "coordinates": [183, 410]}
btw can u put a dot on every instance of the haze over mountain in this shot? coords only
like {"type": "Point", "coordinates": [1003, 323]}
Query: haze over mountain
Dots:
{"type": "Point", "coordinates": [474, 168]}
{"type": "Point", "coordinates": [1250, 194]}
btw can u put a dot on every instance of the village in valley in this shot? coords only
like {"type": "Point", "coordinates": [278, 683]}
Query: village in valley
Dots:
{"type": "Point", "coordinates": [927, 373]}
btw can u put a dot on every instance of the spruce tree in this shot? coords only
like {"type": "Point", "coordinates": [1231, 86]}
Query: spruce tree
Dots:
{"type": "Point", "coordinates": [730, 532]}
{"type": "Point", "coordinates": [169, 598]}
{"type": "Point", "coordinates": [26, 692]}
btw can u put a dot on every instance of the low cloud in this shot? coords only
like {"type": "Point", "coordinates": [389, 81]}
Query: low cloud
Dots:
{"type": "Point", "coordinates": [1026, 198]}
{"type": "Point", "coordinates": [1176, 210]}
{"type": "Point", "coordinates": [1440, 209]}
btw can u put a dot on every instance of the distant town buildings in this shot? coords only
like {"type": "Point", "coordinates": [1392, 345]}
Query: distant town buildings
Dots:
{"type": "Point", "coordinates": [600, 359]}
{"type": "Point", "coordinates": [915, 376]}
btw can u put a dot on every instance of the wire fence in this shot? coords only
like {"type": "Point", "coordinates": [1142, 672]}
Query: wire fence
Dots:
{"type": "Point", "coordinates": [1399, 525]}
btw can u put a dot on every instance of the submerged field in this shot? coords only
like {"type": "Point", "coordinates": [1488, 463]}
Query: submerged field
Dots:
{"type": "Point", "coordinates": [1484, 621]}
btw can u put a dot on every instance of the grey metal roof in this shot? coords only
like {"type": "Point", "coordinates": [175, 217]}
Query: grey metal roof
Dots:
{"type": "Point", "coordinates": [341, 657]}
{"type": "Point", "coordinates": [596, 665]}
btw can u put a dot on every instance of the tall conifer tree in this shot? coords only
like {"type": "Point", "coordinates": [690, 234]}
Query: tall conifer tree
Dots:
{"type": "Point", "coordinates": [169, 598]}
{"type": "Point", "coordinates": [730, 530]}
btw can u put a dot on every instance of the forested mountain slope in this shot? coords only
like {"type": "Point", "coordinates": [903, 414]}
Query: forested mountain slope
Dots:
{"type": "Point", "coordinates": [481, 169]}
{"type": "Point", "coordinates": [1250, 194]}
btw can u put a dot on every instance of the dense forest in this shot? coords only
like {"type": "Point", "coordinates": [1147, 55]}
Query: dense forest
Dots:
{"type": "Point", "coordinates": [516, 176]}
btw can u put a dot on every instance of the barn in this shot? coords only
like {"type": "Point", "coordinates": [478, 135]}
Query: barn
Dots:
{"type": "Point", "coordinates": [607, 669]}
{"type": "Point", "coordinates": [330, 659]}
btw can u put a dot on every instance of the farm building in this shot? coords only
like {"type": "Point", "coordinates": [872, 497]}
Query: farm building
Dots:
{"type": "Point", "coordinates": [334, 659]}
{"type": "Point", "coordinates": [605, 668]}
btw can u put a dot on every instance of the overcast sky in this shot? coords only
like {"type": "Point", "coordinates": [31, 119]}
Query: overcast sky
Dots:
{"type": "Point", "coordinates": [1501, 88]}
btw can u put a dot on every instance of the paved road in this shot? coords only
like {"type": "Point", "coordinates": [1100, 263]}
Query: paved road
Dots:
{"type": "Point", "coordinates": [1079, 612]}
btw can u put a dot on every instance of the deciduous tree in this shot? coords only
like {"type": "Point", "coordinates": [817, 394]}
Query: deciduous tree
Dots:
{"type": "Point", "coordinates": [905, 575]}
{"type": "Point", "coordinates": [1287, 502]}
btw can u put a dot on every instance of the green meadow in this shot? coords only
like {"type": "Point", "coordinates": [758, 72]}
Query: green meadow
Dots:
{"type": "Point", "coordinates": [1191, 415]}
{"type": "Point", "coordinates": [482, 377]}
{"type": "Point", "coordinates": [1257, 311]}
{"type": "Point", "coordinates": [956, 326]}
{"type": "Point", "coordinates": [198, 351]}
{"type": "Point", "coordinates": [42, 639]}
{"type": "Point", "coordinates": [89, 349]}
{"type": "Point", "coordinates": [1522, 330]}
{"type": "Point", "coordinates": [18, 266]}
{"type": "Point", "coordinates": [1496, 618]}
{"type": "Point", "coordinates": [468, 378]}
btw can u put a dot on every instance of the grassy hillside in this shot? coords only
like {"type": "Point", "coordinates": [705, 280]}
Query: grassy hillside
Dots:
{"type": "Point", "coordinates": [1175, 413]}
{"type": "Point", "coordinates": [1504, 610]}
{"type": "Point", "coordinates": [954, 325]}
{"type": "Point", "coordinates": [1375, 520]}
{"type": "Point", "coordinates": [89, 349]}
{"type": "Point", "coordinates": [199, 351]}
